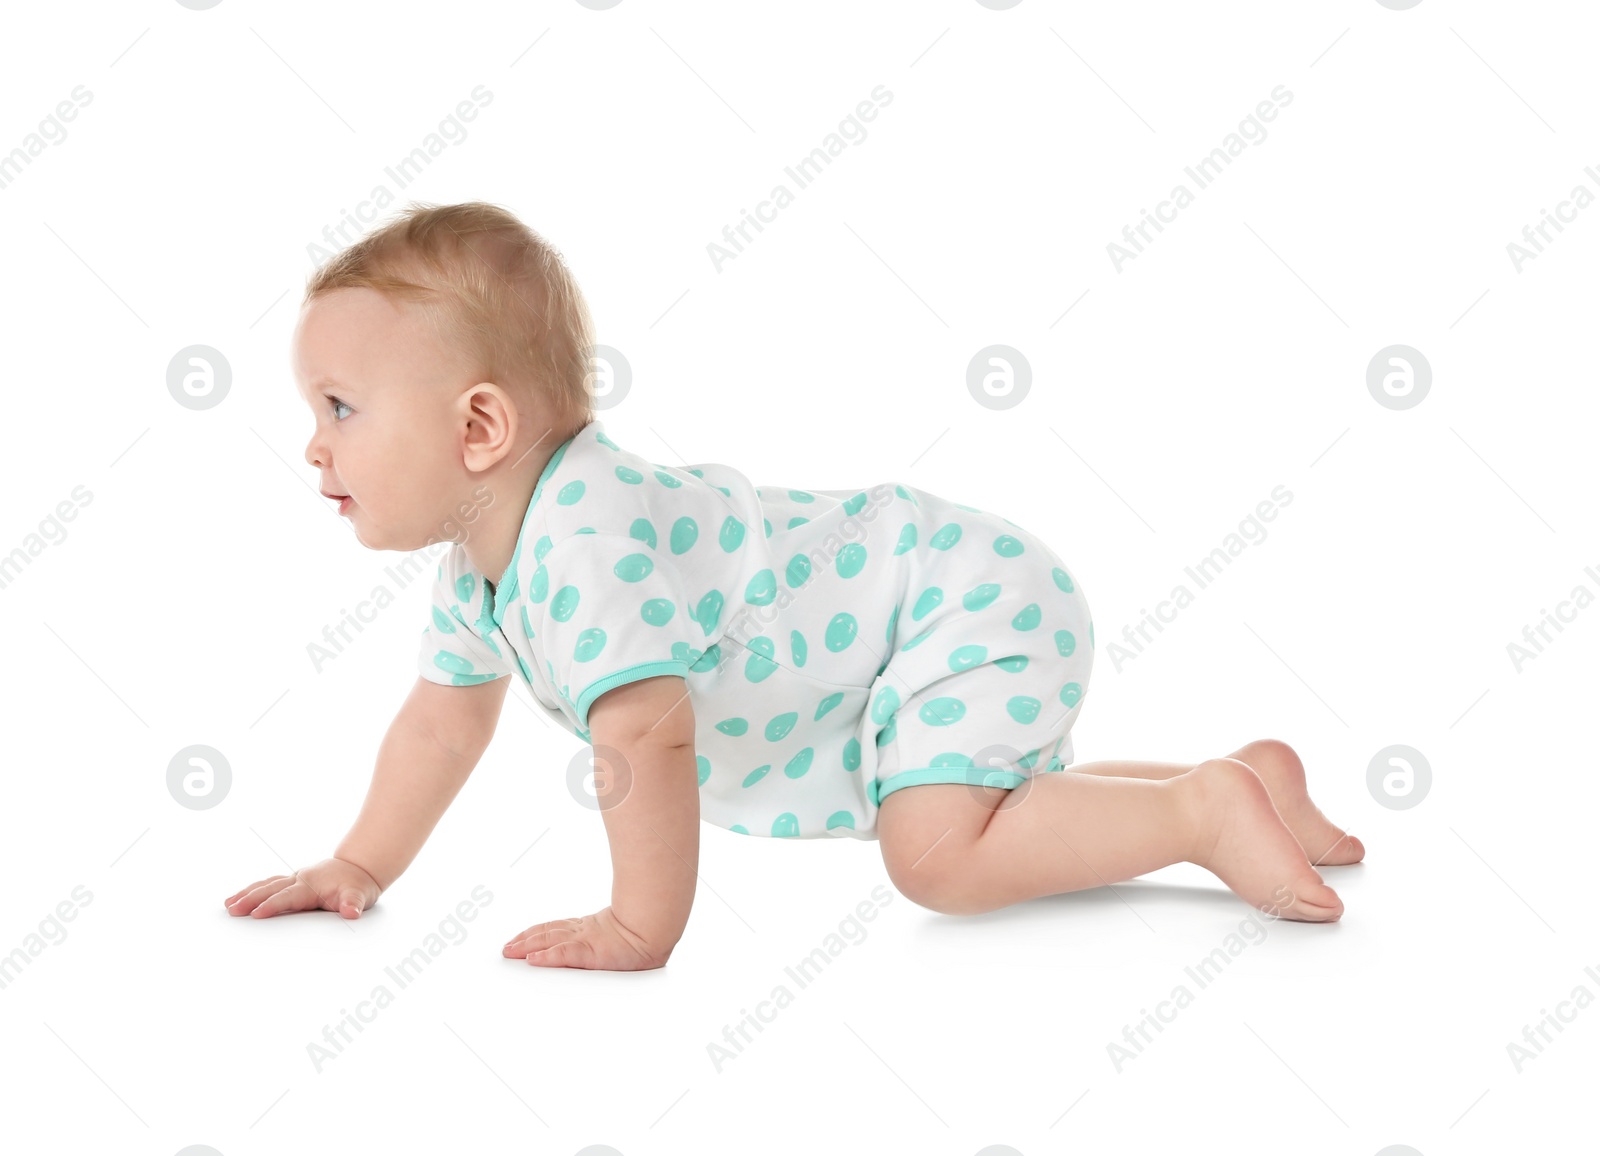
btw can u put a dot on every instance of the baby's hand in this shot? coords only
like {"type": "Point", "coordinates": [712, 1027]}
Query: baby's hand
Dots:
{"type": "Point", "coordinates": [331, 885]}
{"type": "Point", "coordinates": [598, 942]}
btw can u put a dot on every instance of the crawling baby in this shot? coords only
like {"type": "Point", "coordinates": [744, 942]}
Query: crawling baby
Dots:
{"type": "Point", "coordinates": [877, 663]}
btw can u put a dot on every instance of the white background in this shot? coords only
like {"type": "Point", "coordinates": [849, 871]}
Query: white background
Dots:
{"type": "Point", "coordinates": [184, 206]}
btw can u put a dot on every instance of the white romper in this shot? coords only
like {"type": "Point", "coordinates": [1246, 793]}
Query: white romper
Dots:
{"type": "Point", "coordinates": [837, 645]}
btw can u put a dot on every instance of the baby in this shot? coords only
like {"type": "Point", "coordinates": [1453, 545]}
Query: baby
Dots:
{"type": "Point", "coordinates": [877, 663]}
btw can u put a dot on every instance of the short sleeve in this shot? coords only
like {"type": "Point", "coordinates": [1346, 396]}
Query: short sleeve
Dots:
{"type": "Point", "coordinates": [608, 610]}
{"type": "Point", "coordinates": [454, 652]}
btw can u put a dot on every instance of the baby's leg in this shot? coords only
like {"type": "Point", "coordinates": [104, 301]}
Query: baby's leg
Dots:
{"type": "Point", "coordinates": [948, 848]}
{"type": "Point", "coordinates": [1281, 770]}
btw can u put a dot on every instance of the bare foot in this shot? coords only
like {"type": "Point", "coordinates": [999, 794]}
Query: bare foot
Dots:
{"type": "Point", "coordinates": [1277, 765]}
{"type": "Point", "coordinates": [1242, 839]}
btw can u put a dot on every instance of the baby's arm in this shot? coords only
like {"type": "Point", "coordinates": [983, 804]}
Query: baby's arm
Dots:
{"type": "Point", "coordinates": [647, 782]}
{"type": "Point", "coordinates": [429, 750]}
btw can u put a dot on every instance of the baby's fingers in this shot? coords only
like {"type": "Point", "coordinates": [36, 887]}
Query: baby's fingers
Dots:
{"type": "Point", "coordinates": [537, 936]}
{"type": "Point", "coordinates": [574, 952]}
{"type": "Point", "coordinates": [237, 895]}
{"type": "Point", "coordinates": [295, 897]}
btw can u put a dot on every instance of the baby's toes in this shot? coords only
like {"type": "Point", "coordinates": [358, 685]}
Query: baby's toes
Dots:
{"type": "Point", "coordinates": [1344, 850]}
{"type": "Point", "coordinates": [1313, 903]}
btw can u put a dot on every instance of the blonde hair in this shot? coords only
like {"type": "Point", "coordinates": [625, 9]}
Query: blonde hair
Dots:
{"type": "Point", "coordinates": [495, 290]}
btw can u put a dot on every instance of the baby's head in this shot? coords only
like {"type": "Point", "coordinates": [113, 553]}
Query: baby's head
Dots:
{"type": "Point", "coordinates": [448, 349]}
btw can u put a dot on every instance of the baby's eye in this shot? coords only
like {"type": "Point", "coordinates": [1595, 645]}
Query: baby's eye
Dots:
{"type": "Point", "coordinates": [336, 404]}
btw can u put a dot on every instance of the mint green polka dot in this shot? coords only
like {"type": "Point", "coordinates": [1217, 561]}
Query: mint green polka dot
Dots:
{"type": "Point", "coordinates": [966, 657]}
{"type": "Point", "coordinates": [740, 828]}
{"type": "Point", "coordinates": [657, 611]}
{"type": "Point", "coordinates": [539, 584]}
{"type": "Point", "coordinates": [797, 647]}
{"type": "Point", "coordinates": [950, 759]}
{"type": "Point", "coordinates": [763, 588]}
{"type": "Point", "coordinates": [1026, 761]}
{"type": "Point", "coordinates": [633, 568]}
{"type": "Point", "coordinates": [709, 659]}
{"type": "Point", "coordinates": [786, 825]}
{"type": "Point", "coordinates": [709, 612]}
{"type": "Point", "coordinates": [605, 441]}
{"type": "Point", "coordinates": [852, 755]}
{"type": "Point", "coordinates": [888, 631]}
{"type": "Point", "coordinates": [441, 622]}
{"type": "Point", "coordinates": [685, 532]}
{"type": "Point", "coordinates": [767, 522]}
{"type": "Point", "coordinates": [926, 601]}
{"type": "Point", "coordinates": [668, 480]}
{"type": "Point", "coordinates": [1027, 618]}
{"type": "Point", "coordinates": [1023, 708]}
{"type": "Point", "coordinates": [564, 603]}
{"type": "Point", "coordinates": [756, 775]}
{"type": "Point", "coordinates": [684, 653]}
{"type": "Point", "coordinates": [841, 631]}
{"type": "Point", "coordinates": [1063, 579]}
{"type": "Point", "coordinates": [542, 547]}
{"type": "Point", "coordinates": [828, 704]}
{"type": "Point", "coordinates": [884, 706]}
{"type": "Point", "coordinates": [908, 539]}
{"type": "Point", "coordinates": [941, 712]}
{"type": "Point", "coordinates": [527, 675]}
{"type": "Point", "coordinates": [850, 560]}
{"type": "Point", "coordinates": [590, 643]}
{"type": "Point", "coordinates": [1012, 663]}
{"type": "Point", "coordinates": [453, 663]}
{"type": "Point", "coordinates": [759, 665]}
{"type": "Point", "coordinates": [886, 734]}
{"type": "Point", "coordinates": [980, 596]}
{"type": "Point", "coordinates": [732, 535]}
{"type": "Point", "coordinates": [797, 521]}
{"type": "Point", "coordinates": [905, 493]}
{"type": "Point", "coordinates": [946, 536]}
{"type": "Point", "coordinates": [1066, 643]}
{"type": "Point", "coordinates": [800, 764]}
{"type": "Point", "coordinates": [802, 496]}
{"type": "Point", "coordinates": [703, 769]}
{"type": "Point", "coordinates": [632, 477]}
{"type": "Point", "coordinates": [798, 571]}
{"type": "Point", "coordinates": [527, 625]}
{"type": "Point", "coordinates": [1071, 694]}
{"type": "Point", "coordinates": [852, 506]}
{"type": "Point", "coordinates": [464, 586]}
{"type": "Point", "coordinates": [570, 493]}
{"type": "Point", "coordinates": [872, 791]}
{"type": "Point", "coordinates": [841, 819]}
{"type": "Point", "coordinates": [918, 640]}
{"type": "Point", "coordinates": [780, 725]}
{"type": "Point", "coordinates": [643, 531]}
{"type": "Point", "coordinates": [733, 726]}
{"type": "Point", "coordinates": [1007, 547]}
